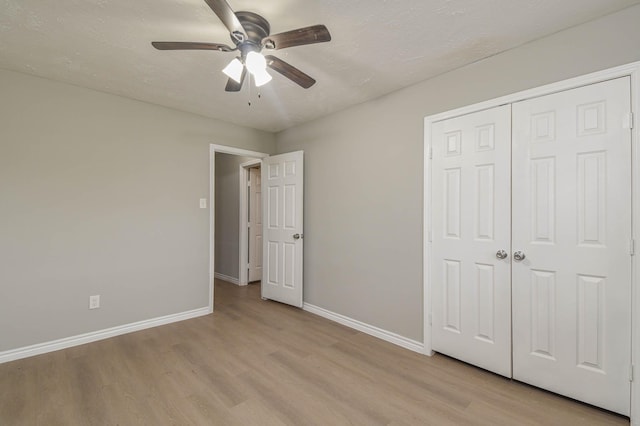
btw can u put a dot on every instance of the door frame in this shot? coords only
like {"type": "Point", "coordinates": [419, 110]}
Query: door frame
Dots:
{"type": "Point", "coordinates": [243, 244]}
{"type": "Point", "coordinates": [630, 70]}
{"type": "Point", "coordinates": [223, 149]}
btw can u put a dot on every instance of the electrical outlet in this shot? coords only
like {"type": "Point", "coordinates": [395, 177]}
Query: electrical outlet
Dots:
{"type": "Point", "coordinates": [203, 203]}
{"type": "Point", "coordinates": [94, 301]}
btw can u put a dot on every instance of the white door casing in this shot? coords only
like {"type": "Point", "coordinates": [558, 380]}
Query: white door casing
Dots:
{"type": "Point", "coordinates": [255, 224]}
{"type": "Point", "coordinates": [471, 295]}
{"type": "Point", "coordinates": [572, 220]}
{"type": "Point", "coordinates": [282, 192]}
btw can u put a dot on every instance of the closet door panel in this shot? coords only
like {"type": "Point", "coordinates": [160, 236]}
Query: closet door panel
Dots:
{"type": "Point", "coordinates": [572, 220]}
{"type": "Point", "coordinates": [471, 298]}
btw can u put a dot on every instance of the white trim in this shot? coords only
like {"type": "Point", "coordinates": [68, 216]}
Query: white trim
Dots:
{"type": "Point", "coordinates": [237, 151]}
{"type": "Point", "coordinates": [244, 220]}
{"type": "Point", "coordinates": [631, 70]}
{"type": "Point", "coordinates": [426, 236]}
{"type": "Point", "coordinates": [81, 339]}
{"type": "Point", "coordinates": [385, 335]}
{"type": "Point", "coordinates": [635, 226]}
{"type": "Point", "coordinates": [227, 278]}
{"type": "Point", "coordinates": [212, 227]}
{"type": "Point", "coordinates": [213, 148]}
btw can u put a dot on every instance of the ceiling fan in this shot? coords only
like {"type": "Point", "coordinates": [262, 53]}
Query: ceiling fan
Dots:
{"type": "Point", "coordinates": [250, 33]}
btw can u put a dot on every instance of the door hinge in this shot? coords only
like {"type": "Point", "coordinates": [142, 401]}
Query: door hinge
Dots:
{"type": "Point", "coordinates": [429, 236]}
{"type": "Point", "coordinates": [430, 319]}
{"type": "Point", "coordinates": [631, 373]}
{"type": "Point", "coordinates": [632, 247]}
{"type": "Point", "coordinates": [628, 121]}
{"type": "Point", "coordinates": [430, 153]}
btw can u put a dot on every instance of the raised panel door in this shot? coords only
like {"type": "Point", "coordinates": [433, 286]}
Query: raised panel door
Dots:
{"type": "Point", "coordinates": [255, 225]}
{"type": "Point", "coordinates": [471, 295]}
{"type": "Point", "coordinates": [572, 221]}
{"type": "Point", "coordinates": [282, 189]}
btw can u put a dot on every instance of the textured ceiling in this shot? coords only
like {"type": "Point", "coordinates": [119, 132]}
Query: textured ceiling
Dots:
{"type": "Point", "coordinates": [378, 46]}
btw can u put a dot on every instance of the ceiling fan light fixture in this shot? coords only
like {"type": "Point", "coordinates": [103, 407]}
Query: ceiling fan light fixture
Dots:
{"type": "Point", "coordinates": [256, 63]}
{"type": "Point", "coordinates": [261, 78]}
{"type": "Point", "coordinates": [234, 70]}
{"type": "Point", "coordinates": [251, 33]}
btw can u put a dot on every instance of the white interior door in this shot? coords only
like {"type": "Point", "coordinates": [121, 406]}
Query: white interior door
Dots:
{"type": "Point", "coordinates": [471, 295]}
{"type": "Point", "coordinates": [282, 187]}
{"type": "Point", "coordinates": [572, 221]}
{"type": "Point", "coordinates": [255, 224]}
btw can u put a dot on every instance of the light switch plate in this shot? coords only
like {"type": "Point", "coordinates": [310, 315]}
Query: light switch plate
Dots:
{"type": "Point", "coordinates": [203, 203]}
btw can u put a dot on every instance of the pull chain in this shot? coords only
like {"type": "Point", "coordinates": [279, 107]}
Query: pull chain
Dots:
{"type": "Point", "coordinates": [249, 93]}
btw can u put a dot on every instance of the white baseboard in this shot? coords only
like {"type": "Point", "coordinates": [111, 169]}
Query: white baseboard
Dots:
{"type": "Point", "coordinates": [227, 278]}
{"type": "Point", "coordinates": [388, 336]}
{"type": "Point", "coordinates": [81, 339]}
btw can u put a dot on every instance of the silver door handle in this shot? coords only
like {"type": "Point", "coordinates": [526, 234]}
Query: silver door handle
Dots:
{"type": "Point", "coordinates": [297, 236]}
{"type": "Point", "coordinates": [519, 255]}
{"type": "Point", "coordinates": [501, 254]}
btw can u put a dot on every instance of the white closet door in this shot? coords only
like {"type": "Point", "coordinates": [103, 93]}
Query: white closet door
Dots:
{"type": "Point", "coordinates": [471, 296]}
{"type": "Point", "coordinates": [572, 221]}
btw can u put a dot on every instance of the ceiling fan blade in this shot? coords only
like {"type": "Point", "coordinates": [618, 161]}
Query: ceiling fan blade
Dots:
{"type": "Point", "coordinates": [299, 37]}
{"type": "Point", "coordinates": [289, 71]}
{"type": "Point", "coordinates": [234, 86]}
{"type": "Point", "coordinates": [186, 45]}
{"type": "Point", "coordinates": [228, 18]}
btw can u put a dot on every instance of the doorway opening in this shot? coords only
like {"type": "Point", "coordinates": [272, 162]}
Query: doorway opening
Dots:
{"type": "Point", "coordinates": [225, 208]}
{"type": "Point", "coordinates": [283, 177]}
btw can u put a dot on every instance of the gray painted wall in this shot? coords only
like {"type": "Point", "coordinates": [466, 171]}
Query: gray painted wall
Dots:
{"type": "Point", "coordinates": [227, 212]}
{"type": "Point", "coordinates": [364, 171]}
{"type": "Point", "coordinates": [99, 195]}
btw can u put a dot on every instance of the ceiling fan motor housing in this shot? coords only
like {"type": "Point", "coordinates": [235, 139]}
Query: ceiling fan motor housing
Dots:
{"type": "Point", "coordinates": [254, 25]}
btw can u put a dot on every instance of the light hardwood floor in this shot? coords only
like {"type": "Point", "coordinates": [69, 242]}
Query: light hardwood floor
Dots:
{"type": "Point", "coordinates": [261, 363]}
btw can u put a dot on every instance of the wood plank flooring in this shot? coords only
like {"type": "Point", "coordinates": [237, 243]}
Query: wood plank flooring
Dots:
{"type": "Point", "coordinates": [256, 362]}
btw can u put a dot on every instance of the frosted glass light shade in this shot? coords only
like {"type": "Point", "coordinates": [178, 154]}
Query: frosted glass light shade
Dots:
{"type": "Point", "coordinates": [261, 78]}
{"type": "Point", "coordinates": [234, 70]}
{"type": "Point", "coordinates": [256, 63]}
